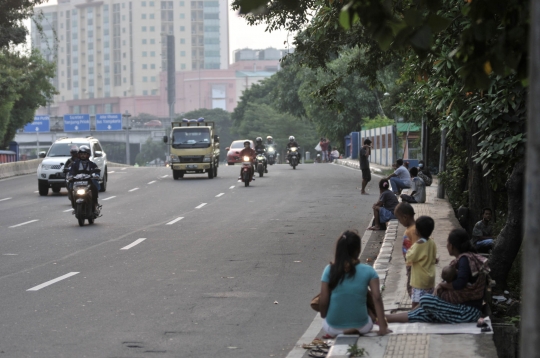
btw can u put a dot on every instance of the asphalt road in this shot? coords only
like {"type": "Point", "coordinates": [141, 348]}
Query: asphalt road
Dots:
{"type": "Point", "coordinates": [232, 278]}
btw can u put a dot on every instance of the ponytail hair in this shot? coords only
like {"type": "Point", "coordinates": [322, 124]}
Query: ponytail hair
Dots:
{"type": "Point", "coordinates": [460, 240]}
{"type": "Point", "coordinates": [346, 258]}
{"type": "Point", "coordinates": [384, 184]}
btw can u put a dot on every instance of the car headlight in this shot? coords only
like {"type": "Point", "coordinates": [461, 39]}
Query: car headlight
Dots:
{"type": "Point", "coordinates": [207, 159]}
{"type": "Point", "coordinates": [81, 192]}
{"type": "Point", "coordinates": [246, 159]}
{"type": "Point", "coordinates": [45, 167]}
{"type": "Point", "coordinates": [175, 158]}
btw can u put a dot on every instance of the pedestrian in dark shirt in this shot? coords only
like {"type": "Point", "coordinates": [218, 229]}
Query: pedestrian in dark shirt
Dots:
{"type": "Point", "coordinates": [482, 237]}
{"type": "Point", "coordinates": [365, 152]}
{"type": "Point", "coordinates": [383, 209]}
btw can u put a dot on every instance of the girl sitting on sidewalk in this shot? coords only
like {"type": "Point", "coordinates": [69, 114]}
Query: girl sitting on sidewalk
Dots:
{"type": "Point", "coordinates": [421, 257]}
{"type": "Point", "coordinates": [383, 209]}
{"type": "Point", "coordinates": [405, 214]}
{"type": "Point", "coordinates": [344, 289]}
{"type": "Point", "coordinates": [459, 301]}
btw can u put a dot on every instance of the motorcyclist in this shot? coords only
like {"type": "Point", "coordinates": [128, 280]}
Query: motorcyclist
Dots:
{"type": "Point", "coordinates": [249, 152]}
{"type": "Point", "coordinates": [74, 151]}
{"type": "Point", "coordinates": [260, 148]}
{"type": "Point", "coordinates": [83, 165]}
{"type": "Point", "coordinates": [269, 140]}
{"type": "Point", "coordinates": [292, 143]}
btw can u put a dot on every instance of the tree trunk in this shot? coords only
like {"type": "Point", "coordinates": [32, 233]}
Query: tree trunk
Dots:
{"type": "Point", "coordinates": [509, 240]}
{"type": "Point", "coordinates": [479, 187]}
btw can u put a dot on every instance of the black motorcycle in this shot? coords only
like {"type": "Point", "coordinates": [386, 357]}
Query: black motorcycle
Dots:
{"type": "Point", "coordinates": [271, 155]}
{"type": "Point", "coordinates": [260, 163]}
{"type": "Point", "coordinates": [293, 156]}
{"type": "Point", "coordinates": [82, 197]}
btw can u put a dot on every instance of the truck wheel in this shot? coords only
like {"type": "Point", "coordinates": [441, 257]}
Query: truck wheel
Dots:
{"type": "Point", "coordinates": [215, 171]}
{"type": "Point", "coordinates": [177, 174]}
{"type": "Point", "coordinates": [211, 173]}
{"type": "Point", "coordinates": [43, 187]}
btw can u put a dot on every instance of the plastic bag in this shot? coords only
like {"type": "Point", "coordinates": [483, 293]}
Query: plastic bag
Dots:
{"type": "Point", "coordinates": [318, 147]}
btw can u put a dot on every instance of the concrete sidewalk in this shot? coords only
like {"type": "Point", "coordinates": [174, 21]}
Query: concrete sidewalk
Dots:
{"type": "Point", "coordinates": [391, 269]}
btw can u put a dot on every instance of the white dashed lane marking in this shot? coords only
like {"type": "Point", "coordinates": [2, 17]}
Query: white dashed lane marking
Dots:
{"type": "Point", "coordinates": [5, 199]}
{"type": "Point", "coordinates": [136, 242]}
{"type": "Point", "coordinates": [165, 176]}
{"type": "Point", "coordinates": [200, 206]}
{"type": "Point", "coordinates": [68, 210]}
{"type": "Point", "coordinates": [48, 283]}
{"type": "Point", "coordinates": [123, 169]}
{"type": "Point", "coordinates": [220, 194]}
{"type": "Point", "coordinates": [133, 189]}
{"type": "Point", "coordinates": [232, 187]}
{"type": "Point", "coordinates": [152, 182]}
{"type": "Point", "coordinates": [174, 221]}
{"type": "Point", "coordinates": [110, 197]}
{"type": "Point", "coordinates": [110, 172]}
{"type": "Point", "coordinates": [21, 224]}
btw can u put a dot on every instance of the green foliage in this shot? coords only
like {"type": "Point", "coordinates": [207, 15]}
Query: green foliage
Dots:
{"type": "Point", "coordinates": [376, 122]}
{"type": "Point", "coordinates": [355, 351]}
{"type": "Point", "coordinates": [24, 87]}
{"type": "Point", "coordinates": [222, 121]}
{"type": "Point", "coordinates": [150, 150]}
{"type": "Point", "coordinates": [12, 13]}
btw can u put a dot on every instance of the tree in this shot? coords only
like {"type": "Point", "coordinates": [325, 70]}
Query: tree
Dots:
{"type": "Point", "coordinates": [12, 13]}
{"type": "Point", "coordinates": [150, 150]}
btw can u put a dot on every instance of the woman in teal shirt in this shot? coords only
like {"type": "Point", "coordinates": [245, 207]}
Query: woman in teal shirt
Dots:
{"type": "Point", "coordinates": [344, 290]}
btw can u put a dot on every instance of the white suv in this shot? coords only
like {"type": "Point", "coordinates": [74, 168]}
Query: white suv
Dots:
{"type": "Point", "coordinates": [50, 172]}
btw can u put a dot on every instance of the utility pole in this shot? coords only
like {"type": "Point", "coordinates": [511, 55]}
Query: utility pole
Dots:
{"type": "Point", "coordinates": [530, 315]}
{"type": "Point", "coordinates": [126, 115]}
{"type": "Point", "coordinates": [442, 163]}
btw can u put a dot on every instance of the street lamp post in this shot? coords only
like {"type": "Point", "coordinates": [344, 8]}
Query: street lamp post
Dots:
{"type": "Point", "coordinates": [127, 127]}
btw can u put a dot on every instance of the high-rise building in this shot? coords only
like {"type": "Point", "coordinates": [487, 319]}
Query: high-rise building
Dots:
{"type": "Point", "coordinates": [113, 51]}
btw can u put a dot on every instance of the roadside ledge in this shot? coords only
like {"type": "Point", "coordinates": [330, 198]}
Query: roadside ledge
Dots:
{"type": "Point", "coordinates": [19, 168]}
{"type": "Point", "coordinates": [351, 163]}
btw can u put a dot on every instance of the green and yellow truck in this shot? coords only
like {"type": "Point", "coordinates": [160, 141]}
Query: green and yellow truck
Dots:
{"type": "Point", "coordinates": [194, 148]}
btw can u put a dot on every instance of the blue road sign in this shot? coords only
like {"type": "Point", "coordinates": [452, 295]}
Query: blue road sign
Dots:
{"type": "Point", "coordinates": [40, 124]}
{"type": "Point", "coordinates": [76, 122]}
{"type": "Point", "coordinates": [109, 122]}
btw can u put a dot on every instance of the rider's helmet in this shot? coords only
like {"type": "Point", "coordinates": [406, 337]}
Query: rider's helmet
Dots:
{"type": "Point", "coordinates": [269, 140]}
{"type": "Point", "coordinates": [258, 140]}
{"type": "Point", "coordinates": [291, 139]}
{"type": "Point", "coordinates": [247, 142]}
{"type": "Point", "coordinates": [73, 150]}
{"type": "Point", "coordinates": [84, 151]}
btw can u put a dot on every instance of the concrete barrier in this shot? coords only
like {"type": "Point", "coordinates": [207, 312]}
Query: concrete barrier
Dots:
{"type": "Point", "coordinates": [19, 168]}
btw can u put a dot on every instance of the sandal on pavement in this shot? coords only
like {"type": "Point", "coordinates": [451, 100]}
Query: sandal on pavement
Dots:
{"type": "Point", "coordinates": [374, 228]}
{"type": "Point", "coordinates": [313, 353]}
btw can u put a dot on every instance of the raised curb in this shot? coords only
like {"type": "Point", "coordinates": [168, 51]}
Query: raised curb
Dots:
{"type": "Point", "coordinates": [355, 165]}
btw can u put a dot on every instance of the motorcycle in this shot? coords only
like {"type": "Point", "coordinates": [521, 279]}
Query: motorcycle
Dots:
{"type": "Point", "coordinates": [271, 155]}
{"type": "Point", "coordinates": [247, 170]}
{"type": "Point", "coordinates": [260, 161]}
{"type": "Point", "coordinates": [84, 203]}
{"type": "Point", "coordinates": [65, 171]}
{"type": "Point", "coordinates": [293, 155]}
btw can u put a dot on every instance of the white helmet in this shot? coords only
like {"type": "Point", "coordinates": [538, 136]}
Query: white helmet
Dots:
{"type": "Point", "coordinates": [291, 139]}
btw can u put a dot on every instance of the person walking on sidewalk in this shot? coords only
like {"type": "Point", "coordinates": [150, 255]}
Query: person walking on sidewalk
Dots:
{"type": "Point", "coordinates": [365, 152]}
{"type": "Point", "coordinates": [383, 209]}
{"type": "Point", "coordinates": [459, 301]}
{"type": "Point", "coordinates": [344, 290]}
{"type": "Point", "coordinates": [324, 149]}
{"type": "Point", "coordinates": [421, 257]}
{"type": "Point", "coordinates": [404, 212]}
{"type": "Point", "coordinates": [400, 179]}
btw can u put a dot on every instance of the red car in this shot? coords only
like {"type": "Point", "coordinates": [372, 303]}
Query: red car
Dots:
{"type": "Point", "coordinates": [153, 123]}
{"type": "Point", "coordinates": [233, 152]}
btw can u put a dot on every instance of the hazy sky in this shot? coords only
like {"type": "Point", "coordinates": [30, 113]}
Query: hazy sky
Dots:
{"type": "Point", "coordinates": [241, 35]}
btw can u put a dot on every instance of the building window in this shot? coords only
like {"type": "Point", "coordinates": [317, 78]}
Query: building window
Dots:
{"type": "Point", "coordinates": [145, 93]}
{"type": "Point", "coordinates": [153, 79]}
{"type": "Point", "coordinates": [152, 28]}
{"type": "Point", "coordinates": [143, 16]}
{"type": "Point", "coordinates": [144, 41]}
{"type": "Point", "coordinates": [182, 41]}
{"type": "Point", "coordinates": [124, 42]}
{"type": "Point", "coordinates": [124, 80]}
{"type": "Point", "coordinates": [153, 66]}
{"type": "Point", "coordinates": [151, 3]}
{"type": "Point", "coordinates": [152, 16]}
{"type": "Point", "coordinates": [183, 66]}
{"type": "Point", "coordinates": [152, 53]}
{"type": "Point", "coordinates": [183, 53]}
{"type": "Point", "coordinates": [152, 41]}
{"type": "Point", "coordinates": [145, 79]}
{"type": "Point", "coordinates": [154, 92]}
{"type": "Point", "coordinates": [182, 28]}
{"type": "Point", "coordinates": [144, 29]}
{"type": "Point", "coordinates": [182, 16]}
{"type": "Point", "coordinates": [144, 66]}
{"type": "Point", "coordinates": [143, 3]}
{"type": "Point", "coordinates": [181, 3]}
{"type": "Point", "coordinates": [145, 54]}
